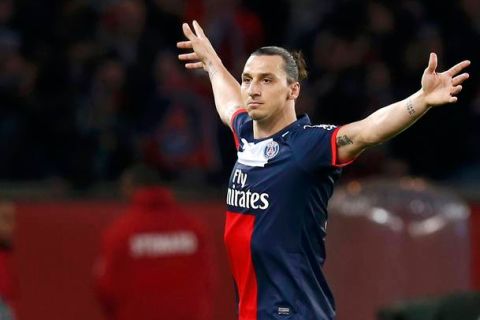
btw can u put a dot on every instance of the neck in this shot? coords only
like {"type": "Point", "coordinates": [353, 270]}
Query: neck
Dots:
{"type": "Point", "coordinates": [273, 124]}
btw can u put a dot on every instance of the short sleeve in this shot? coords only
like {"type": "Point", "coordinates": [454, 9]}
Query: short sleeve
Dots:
{"type": "Point", "coordinates": [239, 118]}
{"type": "Point", "coordinates": [315, 146]}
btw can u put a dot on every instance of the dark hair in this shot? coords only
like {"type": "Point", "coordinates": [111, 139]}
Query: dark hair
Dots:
{"type": "Point", "coordinates": [294, 63]}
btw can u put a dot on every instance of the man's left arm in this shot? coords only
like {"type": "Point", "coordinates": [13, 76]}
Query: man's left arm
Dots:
{"type": "Point", "coordinates": [385, 123]}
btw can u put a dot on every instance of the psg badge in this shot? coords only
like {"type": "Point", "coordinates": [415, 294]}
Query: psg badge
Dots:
{"type": "Point", "coordinates": [271, 149]}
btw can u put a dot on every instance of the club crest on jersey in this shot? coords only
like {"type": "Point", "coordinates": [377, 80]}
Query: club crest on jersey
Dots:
{"type": "Point", "coordinates": [271, 149]}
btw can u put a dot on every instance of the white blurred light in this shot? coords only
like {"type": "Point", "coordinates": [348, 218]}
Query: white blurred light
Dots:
{"type": "Point", "coordinates": [386, 218]}
{"type": "Point", "coordinates": [427, 226]}
{"type": "Point", "coordinates": [379, 215]}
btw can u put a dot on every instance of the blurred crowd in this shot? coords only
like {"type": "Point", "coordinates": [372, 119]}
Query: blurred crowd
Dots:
{"type": "Point", "coordinates": [88, 87]}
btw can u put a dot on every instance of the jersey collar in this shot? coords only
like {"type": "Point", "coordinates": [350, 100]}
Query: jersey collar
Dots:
{"type": "Point", "coordinates": [302, 120]}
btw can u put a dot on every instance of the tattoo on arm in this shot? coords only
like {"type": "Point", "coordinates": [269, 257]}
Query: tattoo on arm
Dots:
{"type": "Point", "coordinates": [343, 141]}
{"type": "Point", "coordinates": [410, 109]}
{"type": "Point", "coordinates": [211, 69]}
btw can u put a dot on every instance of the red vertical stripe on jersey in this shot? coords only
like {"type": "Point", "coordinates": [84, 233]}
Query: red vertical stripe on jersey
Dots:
{"type": "Point", "coordinates": [235, 134]}
{"type": "Point", "coordinates": [238, 237]}
{"type": "Point", "coordinates": [333, 144]}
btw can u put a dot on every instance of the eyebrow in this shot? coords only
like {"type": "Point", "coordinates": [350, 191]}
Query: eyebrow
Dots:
{"type": "Point", "coordinates": [261, 75]}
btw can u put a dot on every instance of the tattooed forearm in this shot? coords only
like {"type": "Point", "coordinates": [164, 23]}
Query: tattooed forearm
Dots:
{"type": "Point", "coordinates": [343, 141]}
{"type": "Point", "coordinates": [212, 70]}
{"type": "Point", "coordinates": [410, 109]}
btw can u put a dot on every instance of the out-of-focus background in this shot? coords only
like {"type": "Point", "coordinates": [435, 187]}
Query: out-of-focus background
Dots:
{"type": "Point", "coordinates": [90, 87]}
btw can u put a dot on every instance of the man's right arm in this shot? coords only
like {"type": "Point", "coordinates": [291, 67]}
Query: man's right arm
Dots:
{"type": "Point", "coordinates": [226, 89]}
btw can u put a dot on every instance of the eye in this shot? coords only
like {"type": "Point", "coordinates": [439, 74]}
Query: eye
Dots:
{"type": "Point", "coordinates": [246, 80]}
{"type": "Point", "coordinates": [267, 80]}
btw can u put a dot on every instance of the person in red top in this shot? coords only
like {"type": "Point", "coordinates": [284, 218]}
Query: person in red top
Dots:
{"type": "Point", "coordinates": [155, 261]}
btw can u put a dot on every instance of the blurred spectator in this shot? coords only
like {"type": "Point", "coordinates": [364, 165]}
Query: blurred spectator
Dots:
{"type": "Point", "coordinates": [177, 128]}
{"type": "Point", "coordinates": [260, 24]}
{"type": "Point", "coordinates": [233, 29]}
{"type": "Point", "coordinates": [156, 261]}
{"type": "Point", "coordinates": [17, 79]}
{"type": "Point", "coordinates": [105, 120]}
{"type": "Point", "coordinates": [122, 26]}
{"type": "Point", "coordinates": [7, 279]}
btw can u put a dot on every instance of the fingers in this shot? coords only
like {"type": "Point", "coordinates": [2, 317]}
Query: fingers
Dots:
{"type": "Point", "coordinates": [188, 56]}
{"type": "Point", "coordinates": [184, 45]}
{"type": "Point", "coordinates": [456, 90]}
{"type": "Point", "coordinates": [187, 31]}
{"type": "Point", "coordinates": [460, 78]}
{"type": "Point", "coordinates": [191, 59]}
{"type": "Point", "coordinates": [194, 65]}
{"type": "Point", "coordinates": [432, 63]}
{"type": "Point", "coordinates": [198, 29]}
{"type": "Point", "coordinates": [456, 82]}
{"type": "Point", "coordinates": [458, 67]}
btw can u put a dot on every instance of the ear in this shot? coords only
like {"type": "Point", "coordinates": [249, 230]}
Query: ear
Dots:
{"type": "Point", "coordinates": [294, 91]}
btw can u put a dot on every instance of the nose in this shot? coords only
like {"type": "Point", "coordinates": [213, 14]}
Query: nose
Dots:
{"type": "Point", "coordinates": [254, 89]}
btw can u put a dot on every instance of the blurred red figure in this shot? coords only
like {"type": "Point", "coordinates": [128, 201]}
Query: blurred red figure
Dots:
{"type": "Point", "coordinates": [7, 276]}
{"type": "Point", "coordinates": [155, 260]}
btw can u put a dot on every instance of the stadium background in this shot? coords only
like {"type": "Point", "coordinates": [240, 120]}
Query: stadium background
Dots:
{"type": "Point", "coordinates": [88, 88]}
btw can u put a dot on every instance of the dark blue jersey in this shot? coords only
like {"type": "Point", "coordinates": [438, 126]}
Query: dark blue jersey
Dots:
{"type": "Point", "coordinates": [276, 220]}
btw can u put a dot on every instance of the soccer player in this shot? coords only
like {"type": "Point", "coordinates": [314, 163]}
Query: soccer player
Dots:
{"type": "Point", "coordinates": [286, 169]}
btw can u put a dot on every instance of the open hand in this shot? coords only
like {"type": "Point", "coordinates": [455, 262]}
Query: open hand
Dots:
{"type": "Point", "coordinates": [203, 53]}
{"type": "Point", "coordinates": [441, 88]}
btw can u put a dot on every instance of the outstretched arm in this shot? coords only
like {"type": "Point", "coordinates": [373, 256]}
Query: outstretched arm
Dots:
{"type": "Point", "coordinates": [226, 89]}
{"type": "Point", "coordinates": [387, 122]}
